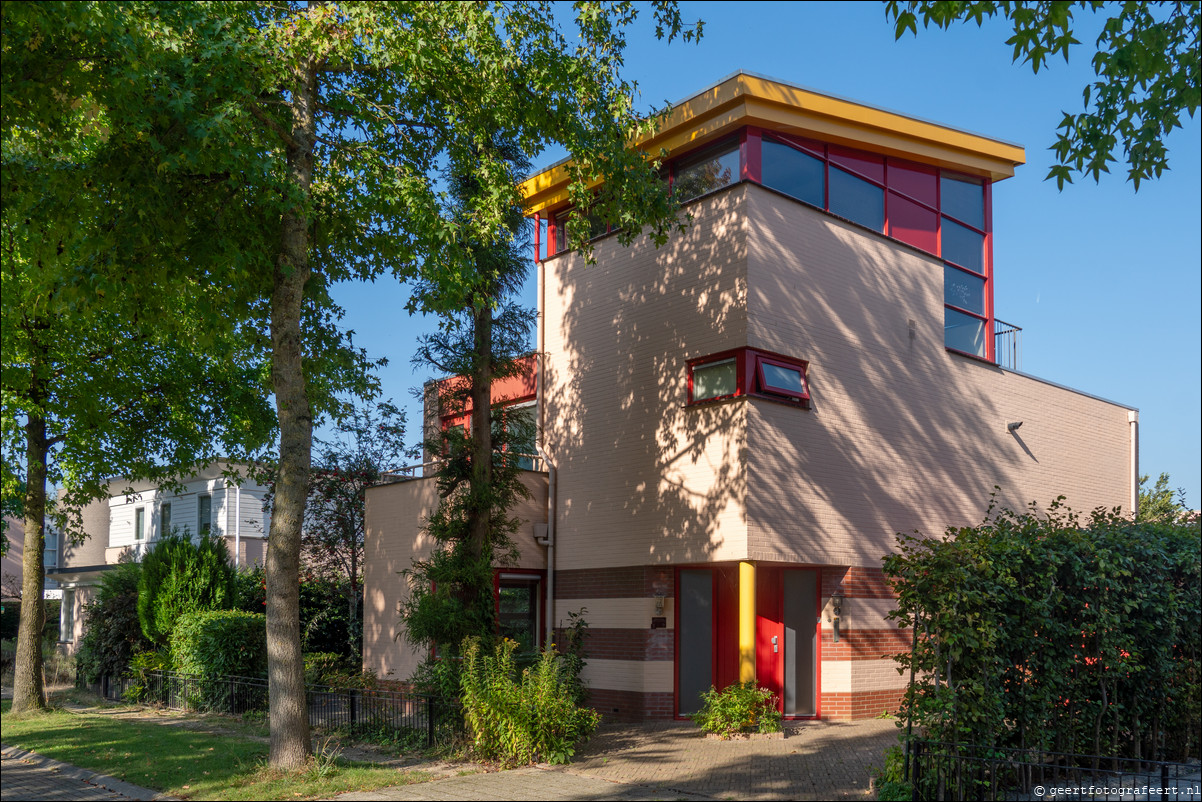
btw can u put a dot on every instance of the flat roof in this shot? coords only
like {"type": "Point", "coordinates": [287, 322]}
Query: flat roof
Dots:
{"type": "Point", "coordinates": [744, 98]}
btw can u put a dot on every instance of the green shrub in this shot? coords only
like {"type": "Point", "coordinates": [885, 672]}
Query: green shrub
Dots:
{"type": "Point", "coordinates": [140, 667]}
{"type": "Point", "coordinates": [112, 633]}
{"type": "Point", "coordinates": [181, 577]}
{"type": "Point", "coordinates": [1047, 630]}
{"type": "Point", "coordinates": [323, 666]}
{"type": "Point", "coordinates": [220, 642]}
{"type": "Point", "coordinates": [529, 719]}
{"type": "Point", "coordinates": [10, 620]}
{"type": "Point", "coordinates": [740, 708]}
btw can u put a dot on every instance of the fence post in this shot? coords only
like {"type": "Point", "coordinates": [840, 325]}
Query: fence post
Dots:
{"type": "Point", "coordinates": [233, 693]}
{"type": "Point", "coordinates": [916, 771]}
{"type": "Point", "coordinates": [429, 721]}
{"type": "Point", "coordinates": [354, 707]}
{"type": "Point", "coordinates": [1164, 782]}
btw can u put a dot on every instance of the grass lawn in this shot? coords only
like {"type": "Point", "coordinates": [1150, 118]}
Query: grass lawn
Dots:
{"type": "Point", "coordinates": [183, 762]}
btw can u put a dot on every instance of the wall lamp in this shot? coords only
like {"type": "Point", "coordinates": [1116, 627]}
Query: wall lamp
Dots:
{"type": "Point", "coordinates": [836, 612]}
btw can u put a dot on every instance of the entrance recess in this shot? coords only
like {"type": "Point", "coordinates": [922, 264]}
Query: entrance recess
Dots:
{"type": "Point", "coordinates": [787, 621]}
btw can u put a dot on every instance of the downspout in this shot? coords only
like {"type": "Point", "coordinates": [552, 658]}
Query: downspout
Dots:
{"type": "Point", "coordinates": [237, 524]}
{"type": "Point", "coordinates": [539, 445]}
{"type": "Point", "coordinates": [1133, 425]}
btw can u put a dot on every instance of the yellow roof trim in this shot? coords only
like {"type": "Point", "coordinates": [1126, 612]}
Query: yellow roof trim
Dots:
{"type": "Point", "coordinates": [745, 99]}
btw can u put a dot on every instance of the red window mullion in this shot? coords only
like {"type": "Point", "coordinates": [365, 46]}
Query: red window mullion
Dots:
{"type": "Point", "coordinates": [751, 158]}
{"type": "Point", "coordinates": [990, 345]}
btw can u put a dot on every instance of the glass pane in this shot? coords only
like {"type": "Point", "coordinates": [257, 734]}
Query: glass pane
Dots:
{"type": "Point", "coordinates": [166, 520]}
{"type": "Point", "coordinates": [865, 164]}
{"type": "Point", "coordinates": [917, 182]}
{"type": "Point", "coordinates": [714, 170]}
{"type": "Point", "coordinates": [696, 664]}
{"type": "Point", "coordinates": [714, 379]}
{"type": "Point", "coordinates": [781, 378]}
{"type": "Point", "coordinates": [204, 523]}
{"type": "Point", "coordinates": [963, 290]}
{"type": "Point", "coordinates": [911, 223]}
{"type": "Point", "coordinates": [857, 200]}
{"type": "Point", "coordinates": [517, 608]}
{"type": "Point", "coordinates": [963, 332]}
{"type": "Point", "coordinates": [963, 199]}
{"type": "Point", "coordinates": [792, 172]}
{"type": "Point", "coordinates": [520, 434]}
{"type": "Point", "coordinates": [963, 246]}
{"type": "Point", "coordinates": [139, 523]}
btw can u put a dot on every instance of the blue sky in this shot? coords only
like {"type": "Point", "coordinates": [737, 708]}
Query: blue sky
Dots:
{"type": "Point", "coordinates": [1103, 281]}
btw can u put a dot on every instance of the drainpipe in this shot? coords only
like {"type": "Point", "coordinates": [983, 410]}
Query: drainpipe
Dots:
{"type": "Point", "coordinates": [540, 444]}
{"type": "Point", "coordinates": [237, 523]}
{"type": "Point", "coordinates": [1133, 425]}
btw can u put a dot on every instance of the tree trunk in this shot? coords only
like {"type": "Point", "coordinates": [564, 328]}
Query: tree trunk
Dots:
{"type": "Point", "coordinates": [288, 712]}
{"type": "Point", "coordinates": [482, 449]}
{"type": "Point", "coordinates": [28, 692]}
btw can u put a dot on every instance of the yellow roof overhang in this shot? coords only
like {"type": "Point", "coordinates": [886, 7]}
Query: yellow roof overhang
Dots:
{"type": "Point", "coordinates": [745, 99]}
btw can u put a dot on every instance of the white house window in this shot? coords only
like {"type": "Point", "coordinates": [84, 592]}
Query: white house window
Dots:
{"type": "Point", "coordinates": [50, 554]}
{"type": "Point", "coordinates": [140, 523]}
{"type": "Point", "coordinates": [165, 520]}
{"type": "Point", "coordinates": [66, 617]}
{"type": "Point", "coordinates": [204, 518]}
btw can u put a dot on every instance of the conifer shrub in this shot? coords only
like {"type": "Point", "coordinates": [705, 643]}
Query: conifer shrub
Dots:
{"type": "Point", "coordinates": [180, 576]}
{"type": "Point", "coordinates": [112, 633]}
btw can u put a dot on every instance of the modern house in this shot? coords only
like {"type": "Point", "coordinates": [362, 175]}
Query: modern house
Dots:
{"type": "Point", "coordinates": [11, 564]}
{"type": "Point", "coordinates": [127, 524]}
{"type": "Point", "coordinates": [735, 425]}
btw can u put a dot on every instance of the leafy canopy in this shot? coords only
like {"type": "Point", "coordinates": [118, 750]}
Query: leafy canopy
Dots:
{"type": "Point", "coordinates": [1146, 61]}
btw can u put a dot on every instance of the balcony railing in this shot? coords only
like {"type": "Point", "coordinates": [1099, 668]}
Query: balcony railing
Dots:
{"type": "Point", "coordinates": [1007, 344]}
{"type": "Point", "coordinates": [422, 470]}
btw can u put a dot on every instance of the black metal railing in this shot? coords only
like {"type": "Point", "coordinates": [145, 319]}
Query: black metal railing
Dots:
{"type": "Point", "coordinates": [1008, 344]}
{"type": "Point", "coordinates": [418, 716]}
{"type": "Point", "coordinates": [954, 771]}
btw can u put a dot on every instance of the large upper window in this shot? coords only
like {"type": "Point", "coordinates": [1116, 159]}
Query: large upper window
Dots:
{"type": "Point", "coordinates": [711, 170]}
{"type": "Point", "coordinates": [748, 371]}
{"type": "Point", "coordinates": [937, 211]}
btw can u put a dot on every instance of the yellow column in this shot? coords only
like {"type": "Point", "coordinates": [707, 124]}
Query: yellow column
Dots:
{"type": "Point", "coordinates": [746, 622]}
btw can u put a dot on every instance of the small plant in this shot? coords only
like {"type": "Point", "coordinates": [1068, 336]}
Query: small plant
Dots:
{"type": "Point", "coordinates": [324, 762]}
{"type": "Point", "coordinates": [140, 667]}
{"type": "Point", "coordinates": [890, 782]}
{"type": "Point", "coordinates": [740, 708]}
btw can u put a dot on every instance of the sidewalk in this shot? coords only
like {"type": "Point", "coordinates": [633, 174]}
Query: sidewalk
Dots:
{"type": "Point", "coordinates": [816, 760]}
{"type": "Point", "coordinates": [28, 775]}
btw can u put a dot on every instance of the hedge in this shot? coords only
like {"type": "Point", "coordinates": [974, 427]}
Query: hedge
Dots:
{"type": "Point", "coordinates": [220, 642]}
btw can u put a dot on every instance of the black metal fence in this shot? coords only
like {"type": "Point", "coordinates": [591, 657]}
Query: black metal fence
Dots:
{"type": "Point", "coordinates": [417, 716]}
{"type": "Point", "coordinates": [951, 771]}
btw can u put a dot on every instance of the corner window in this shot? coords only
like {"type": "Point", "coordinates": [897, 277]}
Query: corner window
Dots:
{"type": "Point", "coordinates": [717, 379]}
{"type": "Point", "coordinates": [711, 170]}
{"type": "Point", "coordinates": [748, 371]}
{"type": "Point", "coordinates": [785, 379]}
{"type": "Point", "coordinates": [204, 514]}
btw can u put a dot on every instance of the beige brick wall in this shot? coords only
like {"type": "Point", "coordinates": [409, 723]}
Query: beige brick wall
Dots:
{"type": "Point", "coordinates": [642, 479]}
{"type": "Point", "coordinates": [394, 537]}
{"type": "Point", "coordinates": [902, 435]}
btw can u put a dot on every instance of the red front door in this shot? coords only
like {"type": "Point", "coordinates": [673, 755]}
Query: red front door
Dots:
{"type": "Point", "coordinates": [788, 637]}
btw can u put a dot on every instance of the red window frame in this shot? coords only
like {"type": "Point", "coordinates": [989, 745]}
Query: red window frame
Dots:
{"type": "Point", "coordinates": [749, 376]}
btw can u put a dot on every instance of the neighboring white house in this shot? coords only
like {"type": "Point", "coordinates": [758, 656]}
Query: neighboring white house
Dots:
{"type": "Point", "coordinates": [126, 526]}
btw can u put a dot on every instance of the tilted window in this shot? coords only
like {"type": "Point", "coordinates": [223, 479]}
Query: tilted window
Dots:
{"type": "Point", "coordinates": [748, 371]}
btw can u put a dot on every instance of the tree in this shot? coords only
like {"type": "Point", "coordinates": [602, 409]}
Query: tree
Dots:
{"type": "Point", "coordinates": [323, 124]}
{"type": "Point", "coordinates": [366, 443]}
{"type": "Point", "coordinates": [1146, 62]}
{"type": "Point", "coordinates": [120, 355]}
{"type": "Point", "coordinates": [478, 483]}
{"type": "Point", "coordinates": [1161, 504]}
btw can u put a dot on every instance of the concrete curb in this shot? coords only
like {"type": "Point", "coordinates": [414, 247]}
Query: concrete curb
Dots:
{"type": "Point", "coordinates": [92, 778]}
